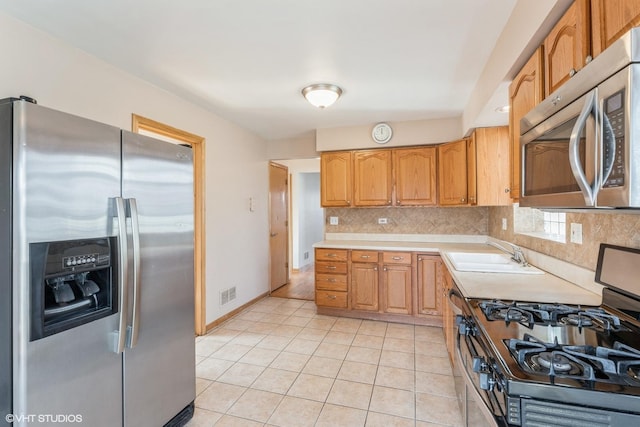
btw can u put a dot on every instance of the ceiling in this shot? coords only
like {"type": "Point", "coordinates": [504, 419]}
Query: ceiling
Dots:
{"type": "Point", "coordinates": [248, 60]}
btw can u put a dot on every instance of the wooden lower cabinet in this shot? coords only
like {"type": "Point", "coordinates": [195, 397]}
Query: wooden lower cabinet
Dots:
{"type": "Point", "coordinates": [448, 315]}
{"type": "Point", "coordinates": [364, 286]}
{"type": "Point", "coordinates": [331, 278]}
{"type": "Point", "coordinates": [396, 289]}
{"type": "Point", "coordinates": [430, 284]}
{"type": "Point", "coordinates": [395, 286]}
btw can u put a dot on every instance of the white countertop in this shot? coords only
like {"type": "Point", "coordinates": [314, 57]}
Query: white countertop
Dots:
{"type": "Point", "coordinates": [506, 286]}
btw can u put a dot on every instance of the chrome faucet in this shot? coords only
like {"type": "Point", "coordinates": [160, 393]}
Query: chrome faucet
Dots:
{"type": "Point", "coordinates": [517, 255]}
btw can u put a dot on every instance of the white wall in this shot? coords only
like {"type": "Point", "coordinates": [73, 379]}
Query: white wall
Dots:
{"type": "Point", "coordinates": [67, 79]}
{"type": "Point", "coordinates": [414, 132]}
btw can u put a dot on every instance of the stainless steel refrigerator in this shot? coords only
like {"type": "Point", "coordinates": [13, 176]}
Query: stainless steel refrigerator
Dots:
{"type": "Point", "coordinates": [96, 273]}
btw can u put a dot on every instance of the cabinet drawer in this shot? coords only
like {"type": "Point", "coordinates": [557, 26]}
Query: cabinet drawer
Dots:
{"type": "Point", "coordinates": [364, 256]}
{"type": "Point", "coordinates": [331, 299]}
{"type": "Point", "coordinates": [331, 282]}
{"type": "Point", "coordinates": [396, 257]}
{"type": "Point", "coordinates": [331, 267]}
{"type": "Point", "coordinates": [331, 254]}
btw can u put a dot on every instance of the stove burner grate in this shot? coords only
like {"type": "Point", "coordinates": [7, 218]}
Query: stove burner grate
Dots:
{"type": "Point", "coordinates": [583, 362]}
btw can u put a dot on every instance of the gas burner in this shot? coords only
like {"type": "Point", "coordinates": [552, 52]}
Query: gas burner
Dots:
{"type": "Point", "coordinates": [554, 361]}
{"type": "Point", "coordinates": [576, 320]}
{"type": "Point", "coordinates": [620, 364]}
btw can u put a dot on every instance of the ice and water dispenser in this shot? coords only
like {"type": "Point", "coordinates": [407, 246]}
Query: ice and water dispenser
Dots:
{"type": "Point", "coordinates": [72, 283]}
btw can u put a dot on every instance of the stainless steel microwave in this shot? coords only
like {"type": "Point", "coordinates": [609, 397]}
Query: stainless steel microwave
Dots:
{"type": "Point", "coordinates": [580, 147]}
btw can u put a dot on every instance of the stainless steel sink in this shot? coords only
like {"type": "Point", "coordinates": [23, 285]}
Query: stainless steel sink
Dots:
{"type": "Point", "coordinates": [483, 262]}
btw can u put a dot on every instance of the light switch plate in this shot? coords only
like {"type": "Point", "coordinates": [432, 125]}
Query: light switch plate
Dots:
{"type": "Point", "coordinates": [333, 220]}
{"type": "Point", "coordinates": [504, 223]}
{"type": "Point", "coordinates": [383, 221]}
{"type": "Point", "coordinates": [576, 233]}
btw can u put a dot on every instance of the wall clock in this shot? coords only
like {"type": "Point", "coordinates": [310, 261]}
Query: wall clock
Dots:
{"type": "Point", "coordinates": [381, 133]}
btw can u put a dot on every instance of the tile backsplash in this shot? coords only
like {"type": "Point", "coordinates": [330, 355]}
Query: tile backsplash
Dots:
{"type": "Point", "coordinates": [597, 227]}
{"type": "Point", "coordinates": [405, 220]}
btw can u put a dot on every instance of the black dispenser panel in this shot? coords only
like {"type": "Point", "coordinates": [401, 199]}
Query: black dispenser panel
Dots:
{"type": "Point", "coordinates": [72, 283]}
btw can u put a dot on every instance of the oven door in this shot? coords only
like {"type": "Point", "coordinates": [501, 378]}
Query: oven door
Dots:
{"type": "Point", "coordinates": [559, 157]}
{"type": "Point", "coordinates": [479, 408]}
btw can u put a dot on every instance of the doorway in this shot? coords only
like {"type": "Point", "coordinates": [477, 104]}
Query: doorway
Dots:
{"type": "Point", "coordinates": [278, 226]}
{"type": "Point", "coordinates": [165, 132]}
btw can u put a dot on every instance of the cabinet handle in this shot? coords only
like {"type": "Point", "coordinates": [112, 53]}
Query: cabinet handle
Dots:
{"type": "Point", "coordinates": [331, 267]}
{"type": "Point", "coordinates": [507, 190]}
{"type": "Point", "coordinates": [419, 259]}
{"type": "Point", "coordinates": [331, 296]}
{"type": "Point", "coordinates": [331, 255]}
{"type": "Point", "coordinates": [331, 280]}
{"type": "Point", "coordinates": [462, 200]}
{"type": "Point", "coordinates": [365, 256]}
{"type": "Point", "coordinates": [397, 258]}
{"type": "Point", "coordinates": [472, 199]}
{"type": "Point", "coordinates": [384, 269]}
{"type": "Point", "coordinates": [588, 59]}
{"type": "Point", "coordinates": [375, 268]}
{"type": "Point", "coordinates": [389, 202]}
{"type": "Point", "coordinates": [572, 72]}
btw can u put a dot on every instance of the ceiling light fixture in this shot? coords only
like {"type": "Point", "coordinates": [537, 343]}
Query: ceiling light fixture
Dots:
{"type": "Point", "coordinates": [321, 95]}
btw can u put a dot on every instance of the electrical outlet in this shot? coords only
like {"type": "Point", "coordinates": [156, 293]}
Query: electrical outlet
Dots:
{"type": "Point", "coordinates": [383, 221]}
{"type": "Point", "coordinates": [504, 223]}
{"type": "Point", "coordinates": [333, 220]}
{"type": "Point", "coordinates": [576, 233]}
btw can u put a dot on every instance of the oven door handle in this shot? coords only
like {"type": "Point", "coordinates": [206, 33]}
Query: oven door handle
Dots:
{"type": "Point", "coordinates": [470, 385]}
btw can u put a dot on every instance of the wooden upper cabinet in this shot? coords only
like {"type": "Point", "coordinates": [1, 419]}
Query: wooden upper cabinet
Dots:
{"type": "Point", "coordinates": [610, 19]}
{"type": "Point", "coordinates": [335, 179]}
{"type": "Point", "coordinates": [568, 46]}
{"type": "Point", "coordinates": [525, 92]}
{"type": "Point", "coordinates": [492, 173]}
{"type": "Point", "coordinates": [415, 176]}
{"type": "Point", "coordinates": [372, 178]}
{"type": "Point", "coordinates": [472, 189]}
{"type": "Point", "coordinates": [452, 173]}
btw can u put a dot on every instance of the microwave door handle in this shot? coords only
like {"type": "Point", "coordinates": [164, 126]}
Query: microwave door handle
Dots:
{"type": "Point", "coordinates": [574, 149]}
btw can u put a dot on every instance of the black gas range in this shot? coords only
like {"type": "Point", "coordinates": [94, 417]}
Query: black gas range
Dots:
{"type": "Point", "coordinates": [539, 364]}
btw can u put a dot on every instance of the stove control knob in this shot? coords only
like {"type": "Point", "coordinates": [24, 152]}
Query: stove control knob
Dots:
{"type": "Point", "coordinates": [487, 381]}
{"type": "Point", "coordinates": [479, 365]}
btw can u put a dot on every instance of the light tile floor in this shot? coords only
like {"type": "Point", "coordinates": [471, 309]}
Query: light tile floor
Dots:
{"type": "Point", "coordinates": [277, 363]}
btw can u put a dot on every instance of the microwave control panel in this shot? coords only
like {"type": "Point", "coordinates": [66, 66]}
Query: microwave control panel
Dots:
{"type": "Point", "coordinates": [615, 113]}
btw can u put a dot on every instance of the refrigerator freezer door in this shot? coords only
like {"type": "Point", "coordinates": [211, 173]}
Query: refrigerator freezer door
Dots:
{"type": "Point", "coordinates": [159, 367]}
{"type": "Point", "coordinates": [65, 171]}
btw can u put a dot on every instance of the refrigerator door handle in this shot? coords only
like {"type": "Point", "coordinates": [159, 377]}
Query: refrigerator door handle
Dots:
{"type": "Point", "coordinates": [135, 231]}
{"type": "Point", "coordinates": [119, 336]}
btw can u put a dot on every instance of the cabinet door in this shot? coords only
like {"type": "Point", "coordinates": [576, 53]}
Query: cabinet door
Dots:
{"type": "Point", "coordinates": [491, 166]}
{"type": "Point", "coordinates": [396, 289]}
{"type": "Point", "coordinates": [415, 176]}
{"type": "Point", "coordinates": [610, 19]}
{"type": "Point", "coordinates": [452, 173]}
{"type": "Point", "coordinates": [567, 46]}
{"type": "Point", "coordinates": [335, 179]}
{"type": "Point", "coordinates": [372, 178]}
{"type": "Point", "coordinates": [448, 315]}
{"type": "Point", "coordinates": [364, 286]}
{"type": "Point", "coordinates": [525, 92]}
{"type": "Point", "coordinates": [430, 285]}
{"type": "Point", "coordinates": [472, 184]}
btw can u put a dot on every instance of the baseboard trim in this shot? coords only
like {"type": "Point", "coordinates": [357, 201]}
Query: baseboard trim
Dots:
{"type": "Point", "coordinates": [232, 313]}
